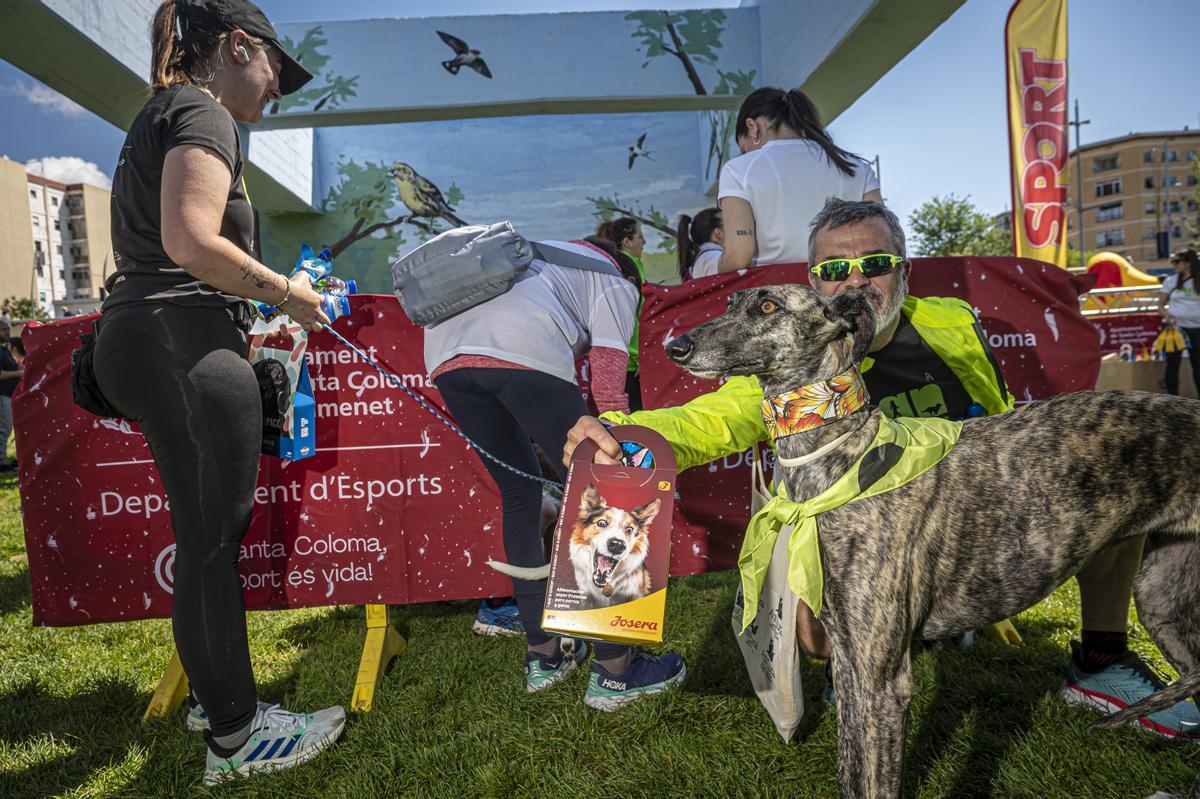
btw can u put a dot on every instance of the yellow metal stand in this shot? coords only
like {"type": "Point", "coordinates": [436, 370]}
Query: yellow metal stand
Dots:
{"type": "Point", "coordinates": [171, 690]}
{"type": "Point", "coordinates": [383, 643]}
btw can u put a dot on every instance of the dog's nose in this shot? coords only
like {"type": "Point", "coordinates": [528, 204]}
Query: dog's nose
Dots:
{"type": "Point", "coordinates": [679, 348]}
{"type": "Point", "coordinates": [616, 546]}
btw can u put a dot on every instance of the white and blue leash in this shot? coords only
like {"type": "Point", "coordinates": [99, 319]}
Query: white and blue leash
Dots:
{"type": "Point", "coordinates": [440, 416]}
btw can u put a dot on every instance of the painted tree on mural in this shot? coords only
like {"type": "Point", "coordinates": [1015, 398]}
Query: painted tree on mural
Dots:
{"type": "Point", "coordinates": [364, 204]}
{"type": "Point", "coordinates": [329, 90]}
{"type": "Point", "coordinates": [607, 208]}
{"type": "Point", "coordinates": [695, 37]}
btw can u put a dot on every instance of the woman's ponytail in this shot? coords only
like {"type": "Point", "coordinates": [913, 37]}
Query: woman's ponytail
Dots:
{"type": "Point", "coordinates": [794, 109]}
{"type": "Point", "coordinates": [167, 51]}
{"type": "Point", "coordinates": [685, 250]}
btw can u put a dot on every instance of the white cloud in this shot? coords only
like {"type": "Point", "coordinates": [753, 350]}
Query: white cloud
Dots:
{"type": "Point", "coordinates": [69, 169]}
{"type": "Point", "coordinates": [44, 97]}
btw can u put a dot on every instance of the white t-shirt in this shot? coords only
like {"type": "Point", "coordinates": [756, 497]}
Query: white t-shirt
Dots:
{"type": "Point", "coordinates": [1183, 302]}
{"type": "Point", "coordinates": [550, 318]}
{"type": "Point", "coordinates": [707, 259]}
{"type": "Point", "coordinates": [786, 182]}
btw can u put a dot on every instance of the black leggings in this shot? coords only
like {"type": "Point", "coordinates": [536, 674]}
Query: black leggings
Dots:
{"type": "Point", "coordinates": [181, 373]}
{"type": "Point", "coordinates": [1171, 376]}
{"type": "Point", "coordinates": [502, 409]}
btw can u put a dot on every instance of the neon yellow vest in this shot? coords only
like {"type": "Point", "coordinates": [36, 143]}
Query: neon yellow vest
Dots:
{"type": "Point", "coordinates": [727, 421]}
{"type": "Point", "coordinates": [947, 325]}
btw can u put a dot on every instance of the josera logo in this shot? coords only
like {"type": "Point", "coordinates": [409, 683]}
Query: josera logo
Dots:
{"type": "Point", "coordinates": [164, 569]}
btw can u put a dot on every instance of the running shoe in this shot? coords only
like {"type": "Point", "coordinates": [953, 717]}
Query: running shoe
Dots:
{"type": "Point", "coordinates": [197, 719]}
{"type": "Point", "coordinates": [500, 620]}
{"type": "Point", "coordinates": [1122, 683]}
{"type": "Point", "coordinates": [541, 673]}
{"type": "Point", "coordinates": [279, 740]}
{"type": "Point", "coordinates": [647, 674]}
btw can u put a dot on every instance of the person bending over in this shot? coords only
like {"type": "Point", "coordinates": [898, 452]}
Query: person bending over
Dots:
{"type": "Point", "coordinates": [506, 370]}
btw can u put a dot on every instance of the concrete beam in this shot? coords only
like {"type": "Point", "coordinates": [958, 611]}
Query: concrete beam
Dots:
{"type": "Point", "coordinates": [869, 48]}
{"type": "Point", "coordinates": [53, 42]}
{"type": "Point", "coordinates": [385, 71]}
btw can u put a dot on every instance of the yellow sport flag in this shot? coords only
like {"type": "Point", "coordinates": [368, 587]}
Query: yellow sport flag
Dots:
{"type": "Point", "coordinates": [1035, 47]}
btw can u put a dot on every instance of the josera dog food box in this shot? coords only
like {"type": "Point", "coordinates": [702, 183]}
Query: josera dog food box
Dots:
{"type": "Point", "coordinates": [612, 545]}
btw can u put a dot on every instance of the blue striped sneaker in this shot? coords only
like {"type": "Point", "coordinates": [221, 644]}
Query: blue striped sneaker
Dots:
{"type": "Point", "coordinates": [279, 740]}
{"type": "Point", "coordinates": [500, 620]}
{"type": "Point", "coordinates": [1122, 683]}
{"type": "Point", "coordinates": [197, 719]}
{"type": "Point", "coordinates": [647, 674]}
{"type": "Point", "coordinates": [542, 672]}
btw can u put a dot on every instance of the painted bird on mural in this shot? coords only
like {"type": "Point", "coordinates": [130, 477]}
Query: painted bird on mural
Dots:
{"type": "Point", "coordinates": [636, 149]}
{"type": "Point", "coordinates": [422, 197]}
{"type": "Point", "coordinates": [464, 56]}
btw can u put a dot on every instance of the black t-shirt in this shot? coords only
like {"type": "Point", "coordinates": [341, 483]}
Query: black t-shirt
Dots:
{"type": "Point", "coordinates": [909, 379]}
{"type": "Point", "coordinates": [177, 116]}
{"type": "Point", "coordinates": [8, 364]}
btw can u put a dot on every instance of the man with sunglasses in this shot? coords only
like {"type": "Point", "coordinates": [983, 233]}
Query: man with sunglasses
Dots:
{"type": "Point", "coordinates": [929, 357]}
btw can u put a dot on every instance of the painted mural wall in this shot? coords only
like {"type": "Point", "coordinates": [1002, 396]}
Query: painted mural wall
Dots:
{"type": "Point", "coordinates": [387, 188]}
{"type": "Point", "coordinates": [383, 189]}
{"type": "Point", "coordinates": [512, 58]}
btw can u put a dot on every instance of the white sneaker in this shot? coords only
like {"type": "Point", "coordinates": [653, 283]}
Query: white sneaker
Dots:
{"type": "Point", "coordinates": [278, 740]}
{"type": "Point", "coordinates": [197, 719]}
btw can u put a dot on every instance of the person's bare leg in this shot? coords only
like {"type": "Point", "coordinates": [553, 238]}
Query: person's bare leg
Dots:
{"type": "Point", "coordinates": [1105, 590]}
{"type": "Point", "coordinates": [810, 633]}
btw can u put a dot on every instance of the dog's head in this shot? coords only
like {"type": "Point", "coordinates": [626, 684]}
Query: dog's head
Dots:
{"type": "Point", "coordinates": [783, 334]}
{"type": "Point", "coordinates": [615, 535]}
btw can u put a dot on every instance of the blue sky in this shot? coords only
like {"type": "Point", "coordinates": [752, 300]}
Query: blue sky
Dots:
{"type": "Point", "coordinates": [937, 120]}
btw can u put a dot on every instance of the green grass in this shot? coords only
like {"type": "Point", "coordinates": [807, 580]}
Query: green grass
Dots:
{"type": "Point", "coordinates": [452, 719]}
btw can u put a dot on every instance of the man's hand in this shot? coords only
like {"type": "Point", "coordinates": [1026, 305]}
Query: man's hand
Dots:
{"type": "Point", "coordinates": [590, 427]}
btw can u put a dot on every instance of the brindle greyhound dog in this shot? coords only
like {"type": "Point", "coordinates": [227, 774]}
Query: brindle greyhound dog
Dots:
{"type": "Point", "coordinates": [1016, 508]}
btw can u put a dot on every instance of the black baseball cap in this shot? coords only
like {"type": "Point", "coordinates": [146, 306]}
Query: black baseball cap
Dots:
{"type": "Point", "coordinates": [227, 15]}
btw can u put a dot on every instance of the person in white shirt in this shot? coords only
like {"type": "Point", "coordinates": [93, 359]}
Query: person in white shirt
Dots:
{"type": "Point", "coordinates": [506, 371]}
{"type": "Point", "coordinates": [788, 168]}
{"type": "Point", "coordinates": [1179, 303]}
{"type": "Point", "coordinates": [699, 243]}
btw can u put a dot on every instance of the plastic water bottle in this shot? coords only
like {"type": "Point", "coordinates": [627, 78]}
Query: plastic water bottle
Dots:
{"type": "Point", "coordinates": [336, 286]}
{"type": "Point", "coordinates": [333, 290]}
{"type": "Point", "coordinates": [318, 267]}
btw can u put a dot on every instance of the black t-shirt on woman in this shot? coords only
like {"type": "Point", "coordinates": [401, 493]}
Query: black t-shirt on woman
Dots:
{"type": "Point", "coordinates": [180, 115]}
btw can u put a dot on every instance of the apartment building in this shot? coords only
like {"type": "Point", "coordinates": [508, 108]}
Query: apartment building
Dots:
{"type": "Point", "coordinates": [1140, 195]}
{"type": "Point", "coordinates": [57, 240]}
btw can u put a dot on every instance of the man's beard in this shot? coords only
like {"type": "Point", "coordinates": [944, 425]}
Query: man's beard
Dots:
{"type": "Point", "coordinates": [890, 310]}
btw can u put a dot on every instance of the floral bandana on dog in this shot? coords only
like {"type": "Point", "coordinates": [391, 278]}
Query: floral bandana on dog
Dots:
{"type": "Point", "coordinates": [814, 405]}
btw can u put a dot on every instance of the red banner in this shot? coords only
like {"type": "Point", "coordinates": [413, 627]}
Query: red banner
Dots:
{"type": "Point", "coordinates": [394, 508]}
{"type": "Point", "coordinates": [1028, 309]}
{"type": "Point", "coordinates": [1138, 330]}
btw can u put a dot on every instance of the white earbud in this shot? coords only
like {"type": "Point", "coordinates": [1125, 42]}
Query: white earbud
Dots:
{"type": "Point", "coordinates": [245, 55]}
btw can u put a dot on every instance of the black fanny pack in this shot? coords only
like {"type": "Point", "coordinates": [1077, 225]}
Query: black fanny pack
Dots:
{"type": "Point", "coordinates": [84, 388]}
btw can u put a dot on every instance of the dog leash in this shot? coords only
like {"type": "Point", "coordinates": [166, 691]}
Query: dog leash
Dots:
{"type": "Point", "coordinates": [391, 378]}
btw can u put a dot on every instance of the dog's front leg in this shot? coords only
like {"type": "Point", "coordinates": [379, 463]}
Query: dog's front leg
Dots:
{"type": "Point", "coordinates": [873, 692]}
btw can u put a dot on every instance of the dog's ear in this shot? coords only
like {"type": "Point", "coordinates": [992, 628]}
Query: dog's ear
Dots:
{"type": "Point", "coordinates": [645, 514]}
{"type": "Point", "coordinates": [592, 502]}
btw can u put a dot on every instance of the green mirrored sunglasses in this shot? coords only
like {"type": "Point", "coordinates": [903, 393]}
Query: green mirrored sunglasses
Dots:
{"type": "Point", "coordinates": [838, 269]}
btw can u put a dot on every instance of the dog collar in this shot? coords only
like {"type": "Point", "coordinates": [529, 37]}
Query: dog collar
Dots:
{"type": "Point", "coordinates": [814, 405]}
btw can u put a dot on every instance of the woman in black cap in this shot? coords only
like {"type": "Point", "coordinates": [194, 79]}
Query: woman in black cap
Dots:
{"type": "Point", "coordinates": [171, 353]}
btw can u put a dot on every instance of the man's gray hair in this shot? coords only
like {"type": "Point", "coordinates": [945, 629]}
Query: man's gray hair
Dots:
{"type": "Point", "coordinates": [838, 213]}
